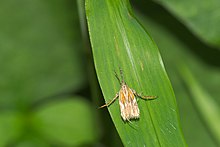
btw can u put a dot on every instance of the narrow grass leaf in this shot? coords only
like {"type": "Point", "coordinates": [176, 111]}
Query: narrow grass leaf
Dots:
{"type": "Point", "coordinates": [119, 41]}
{"type": "Point", "coordinates": [206, 105]}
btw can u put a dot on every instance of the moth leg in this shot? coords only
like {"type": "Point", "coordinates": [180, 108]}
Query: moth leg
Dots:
{"type": "Point", "coordinates": [143, 97]}
{"type": "Point", "coordinates": [147, 97]}
{"type": "Point", "coordinates": [109, 103]}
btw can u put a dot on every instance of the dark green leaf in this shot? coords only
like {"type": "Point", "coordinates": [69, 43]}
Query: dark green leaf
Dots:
{"type": "Point", "coordinates": [39, 57]}
{"type": "Point", "coordinates": [200, 16]}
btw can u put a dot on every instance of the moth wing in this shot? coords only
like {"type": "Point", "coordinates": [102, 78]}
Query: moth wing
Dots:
{"type": "Point", "coordinates": [128, 105]}
{"type": "Point", "coordinates": [134, 106]}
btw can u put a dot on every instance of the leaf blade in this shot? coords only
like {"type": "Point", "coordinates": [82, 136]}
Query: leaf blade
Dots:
{"type": "Point", "coordinates": [122, 42]}
{"type": "Point", "coordinates": [201, 18]}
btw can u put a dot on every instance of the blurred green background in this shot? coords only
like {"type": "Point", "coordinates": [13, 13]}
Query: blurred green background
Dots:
{"type": "Point", "coordinates": [49, 93]}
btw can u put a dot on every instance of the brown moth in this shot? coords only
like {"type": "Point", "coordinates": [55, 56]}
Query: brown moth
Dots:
{"type": "Point", "coordinates": [127, 101]}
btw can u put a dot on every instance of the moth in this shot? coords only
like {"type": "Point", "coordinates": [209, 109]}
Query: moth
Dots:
{"type": "Point", "coordinates": [127, 100]}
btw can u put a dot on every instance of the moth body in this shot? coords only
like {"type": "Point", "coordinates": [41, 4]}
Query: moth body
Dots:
{"type": "Point", "coordinates": [128, 104]}
{"type": "Point", "coordinates": [127, 101]}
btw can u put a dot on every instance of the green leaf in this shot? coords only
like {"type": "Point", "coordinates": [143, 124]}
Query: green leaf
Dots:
{"type": "Point", "coordinates": [32, 142]}
{"type": "Point", "coordinates": [70, 122]}
{"type": "Point", "coordinates": [206, 105]}
{"type": "Point", "coordinates": [177, 45]}
{"type": "Point", "coordinates": [118, 40]}
{"type": "Point", "coordinates": [39, 57]}
{"type": "Point", "coordinates": [11, 127]}
{"type": "Point", "coordinates": [200, 16]}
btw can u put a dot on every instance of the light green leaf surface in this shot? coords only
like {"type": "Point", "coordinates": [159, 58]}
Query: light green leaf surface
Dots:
{"type": "Point", "coordinates": [39, 57]}
{"type": "Point", "coordinates": [11, 127]}
{"type": "Point", "coordinates": [200, 16]}
{"type": "Point", "coordinates": [118, 40]}
{"type": "Point", "coordinates": [70, 122]}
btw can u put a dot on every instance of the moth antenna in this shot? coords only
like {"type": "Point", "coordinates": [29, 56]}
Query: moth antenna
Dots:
{"type": "Point", "coordinates": [121, 73]}
{"type": "Point", "coordinates": [116, 75]}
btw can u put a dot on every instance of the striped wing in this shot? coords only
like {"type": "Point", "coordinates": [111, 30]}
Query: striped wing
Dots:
{"type": "Point", "coordinates": [128, 104]}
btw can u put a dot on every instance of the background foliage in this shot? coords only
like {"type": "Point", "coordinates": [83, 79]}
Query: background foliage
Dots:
{"type": "Point", "coordinates": [48, 87]}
